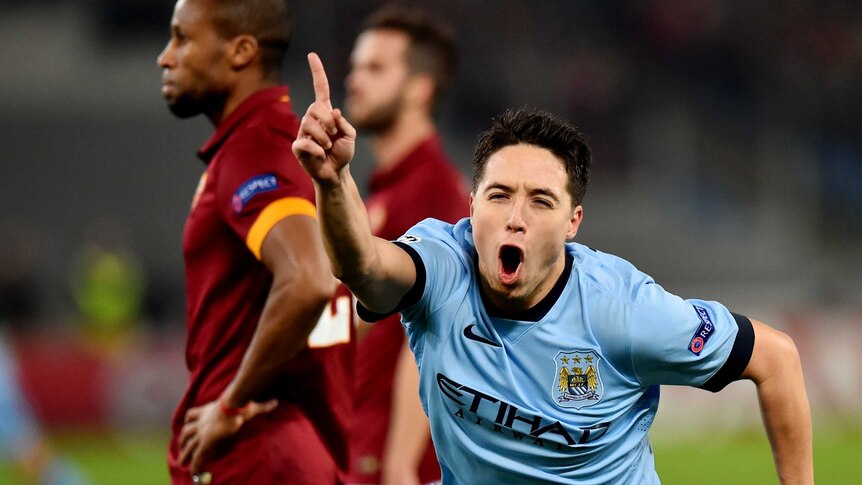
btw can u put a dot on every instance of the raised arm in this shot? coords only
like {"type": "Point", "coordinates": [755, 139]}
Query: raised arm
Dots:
{"type": "Point", "coordinates": [776, 369]}
{"type": "Point", "coordinates": [378, 272]}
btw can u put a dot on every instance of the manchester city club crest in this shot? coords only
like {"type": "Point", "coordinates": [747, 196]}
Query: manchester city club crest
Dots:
{"type": "Point", "coordinates": [577, 382]}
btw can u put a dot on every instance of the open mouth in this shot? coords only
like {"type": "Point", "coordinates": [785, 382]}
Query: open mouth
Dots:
{"type": "Point", "coordinates": [511, 258]}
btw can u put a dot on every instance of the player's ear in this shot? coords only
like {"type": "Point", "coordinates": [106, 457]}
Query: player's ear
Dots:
{"type": "Point", "coordinates": [242, 50]}
{"type": "Point", "coordinates": [471, 205]}
{"type": "Point", "coordinates": [575, 222]}
{"type": "Point", "coordinates": [420, 90]}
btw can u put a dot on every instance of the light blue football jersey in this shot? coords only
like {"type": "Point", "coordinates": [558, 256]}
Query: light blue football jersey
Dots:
{"type": "Point", "coordinates": [569, 397]}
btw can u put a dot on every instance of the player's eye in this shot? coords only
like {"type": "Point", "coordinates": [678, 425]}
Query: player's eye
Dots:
{"type": "Point", "coordinates": [497, 196]}
{"type": "Point", "coordinates": [543, 203]}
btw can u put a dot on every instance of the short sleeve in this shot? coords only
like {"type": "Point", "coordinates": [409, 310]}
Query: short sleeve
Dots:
{"type": "Point", "coordinates": [687, 342]}
{"type": "Point", "coordinates": [259, 183]}
{"type": "Point", "coordinates": [440, 270]}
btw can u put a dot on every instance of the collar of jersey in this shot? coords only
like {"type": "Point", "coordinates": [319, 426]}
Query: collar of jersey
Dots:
{"type": "Point", "coordinates": [429, 149]}
{"type": "Point", "coordinates": [263, 97]}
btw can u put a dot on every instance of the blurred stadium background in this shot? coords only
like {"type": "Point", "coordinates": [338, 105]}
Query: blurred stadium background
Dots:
{"type": "Point", "coordinates": [727, 140]}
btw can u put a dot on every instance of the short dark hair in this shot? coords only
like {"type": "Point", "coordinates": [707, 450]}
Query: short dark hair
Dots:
{"type": "Point", "coordinates": [543, 130]}
{"type": "Point", "coordinates": [432, 43]}
{"type": "Point", "coordinates": [269, 21]}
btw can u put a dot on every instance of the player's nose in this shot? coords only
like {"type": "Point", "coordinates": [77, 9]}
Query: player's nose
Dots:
{"type": "Point", "coordinates": [165, 58]}
{"type": "Point", "coordinates": [351, 82]}
{"type": "Point", "coordinates": [515, 221]}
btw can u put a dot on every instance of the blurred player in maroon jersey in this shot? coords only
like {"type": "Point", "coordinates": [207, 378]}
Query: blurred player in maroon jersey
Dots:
{"type": "Point", "coordinates": [268, 346]}
{"type": "Point", "coordinates": [401, 63]}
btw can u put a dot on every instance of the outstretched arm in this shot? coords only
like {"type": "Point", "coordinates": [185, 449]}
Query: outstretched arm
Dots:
{"type": "Point", "coordinates": [776, 369]}
{"type": "Point", "coordinates": [378, 272]}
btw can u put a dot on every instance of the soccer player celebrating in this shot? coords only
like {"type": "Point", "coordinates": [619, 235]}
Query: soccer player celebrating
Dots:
{"type": "Point", "coordinates": [400, 64]}
{"type": "Point", "coordinates": [540, 359]}
{"type": "Point", "coordinates": [269, 393]}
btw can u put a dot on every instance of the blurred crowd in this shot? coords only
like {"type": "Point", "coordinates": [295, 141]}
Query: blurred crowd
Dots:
{"type": "Point", "coordinates": [719, 118]}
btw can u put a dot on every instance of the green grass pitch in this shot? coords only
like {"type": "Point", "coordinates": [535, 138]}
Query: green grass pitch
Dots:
{"type": "Point", "coordinates": [139, 459]}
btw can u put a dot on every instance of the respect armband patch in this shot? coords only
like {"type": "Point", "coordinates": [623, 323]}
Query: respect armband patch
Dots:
{"type": "Point", "coordinates": [252, 187]}
{"type": "Point", "coordinates": [703, 333]}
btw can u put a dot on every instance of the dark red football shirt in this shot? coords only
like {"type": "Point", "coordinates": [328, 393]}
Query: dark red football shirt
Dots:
{"type": "Point", "coordinates": [424, 184]}
{"type": "Point", "coordinates": [251, 182]}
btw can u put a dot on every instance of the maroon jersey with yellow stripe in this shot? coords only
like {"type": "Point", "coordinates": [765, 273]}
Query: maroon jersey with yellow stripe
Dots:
{"type": "Point", "coordinates": [251, 182]}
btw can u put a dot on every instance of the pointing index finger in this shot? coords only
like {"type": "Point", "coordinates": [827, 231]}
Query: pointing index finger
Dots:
{"type": "Point", "coordinates": [318, 76]}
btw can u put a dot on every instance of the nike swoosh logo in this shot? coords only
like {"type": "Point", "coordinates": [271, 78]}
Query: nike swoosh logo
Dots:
{"type": "Point", "coordinates": [468, 332]}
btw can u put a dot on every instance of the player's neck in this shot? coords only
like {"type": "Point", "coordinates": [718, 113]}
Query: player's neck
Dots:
{"type": "Point", "coordinates": [240, 93]}
{"type": "Point", "coordinates": [408, 131]}
{"type": "Point", "coordinates": [518, 308]}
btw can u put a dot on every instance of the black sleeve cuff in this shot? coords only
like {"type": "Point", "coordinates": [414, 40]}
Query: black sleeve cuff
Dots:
{"type": "Point", "coordinates": [740, 354]}
{"type": "Point", "coordinates": [411, 298]}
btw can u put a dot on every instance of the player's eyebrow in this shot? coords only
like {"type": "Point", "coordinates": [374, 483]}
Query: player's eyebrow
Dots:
{"type": "Point", "coordinates": [499, 186]}
{"type": "Point", "coordinates": [543, 191]}
{"type": "Point", "coordinates": [546, 192]}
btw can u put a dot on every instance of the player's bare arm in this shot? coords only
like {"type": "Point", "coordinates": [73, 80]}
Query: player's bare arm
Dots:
{"type": "Point", "coordinates": [300, 291]}
{"type": "Point", "coordinates": [378, 272]}
{"type": "Point", "coordinates": [776, 369]}
{"type": "Point", "coordinates": [406, 439]}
